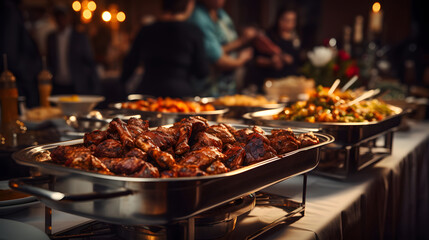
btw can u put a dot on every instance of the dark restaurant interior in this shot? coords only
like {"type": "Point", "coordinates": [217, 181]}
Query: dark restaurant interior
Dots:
{"type": "Point", "coordinates": [214, 119]}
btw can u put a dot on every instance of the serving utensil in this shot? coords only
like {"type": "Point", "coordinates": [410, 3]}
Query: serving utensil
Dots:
{"type": "Point", "coordinates": [366, 95]}
{"type": "Point", "coordinates": [334, 86]}
{"type": "Point", "coordinates": [349, 83]}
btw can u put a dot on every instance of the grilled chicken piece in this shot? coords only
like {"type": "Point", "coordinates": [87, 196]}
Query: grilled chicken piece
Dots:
{"type": "Point", "coordinates": [242, 135]}
{"type": "Point", "coordinates": [148, 171]}
{"type": "Point", "coordinates": [234, 156]}
{"type": "Point", "coordinates": [204, 139]}
{"type": "Point", "coordinates": [258, 148]}
{"type": "Point", "coordinates": [169, 174]}
{"type": "Point", "coordinates": [135, 152]}
{"type": "Point", "coordinates": [94, 137]}
{"type": "Point", "coordinates": [126, 166]}
{"type": "Point", "coordinates": [151, 139]}
{"type": "Point", "coordinates": [202, 157]}
{"type": "Point", "coordinates": [221, 131]}
{"type": "Point", "coordinates": [283, 140]}
{"type": "Point", "coordinates": [163, 159]}
{"type": "Point", "coordinates": [137, 126]}
{"type": "Point", "coordinates": [66, 154]}
{"type": "Point", "coordinates": [186, 127]}
{"type": "Point", "coordinates": [189, 171]}
{"type": "Point", "coordinates": [216, 167]}
{"type": "Point", "coordinates": [308, 139]}
{"type": "Point", "coordinates": [109, 148]}
{"type": "Point", "coordinates": [90, 163]}
{"type": "Point", "coordinates": [118, 126]}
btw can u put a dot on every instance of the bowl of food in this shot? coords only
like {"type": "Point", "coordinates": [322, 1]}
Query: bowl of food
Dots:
{"type": "Point", "coordinates": [76, 104]}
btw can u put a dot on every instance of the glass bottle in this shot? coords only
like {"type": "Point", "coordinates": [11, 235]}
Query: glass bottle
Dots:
{"type": "Point", "coordinates": [44, 85]}
{"type": "Point", "coordinates": [9, 107]}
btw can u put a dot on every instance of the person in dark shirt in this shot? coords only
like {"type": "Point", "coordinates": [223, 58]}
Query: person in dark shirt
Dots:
{"type": "Point", "coordinates": [171, 51]}
{"type": "Point", "coordinates": [286, 61]}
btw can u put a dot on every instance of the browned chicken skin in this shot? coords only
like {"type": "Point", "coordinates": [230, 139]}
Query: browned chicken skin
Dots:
{"type": "Point", "coordinates": [284, 140]}
{"type": "Point", "coordinates": [120, 128]}
{"type": "Point", "coordinates": [135, 152]}
{"type": "Point", "coordinates": [148, 171]}
{"type": "Point", "coordinates": [94, 137]}
{"type": "Point", "coordinates": [234, 156]}
{"type": "Point", "coordinates": [204, 139]}
{"type": "Point", "coordinates": [186, 127]}
{"type": "Point", "coordinates": [217, 167]}
{"type": "Point", "coordinates": [221, 131]}
{"type": "Point", "coordinates": [202, 157]}
{"type": "Point", "coordinates": [109, 148]}
{"type": "Point", "coordinates": [258, 149]}
{"type": "Point", "coordinates": [308, 139]}
{"type": "Point", "coordinates": [126, 165]}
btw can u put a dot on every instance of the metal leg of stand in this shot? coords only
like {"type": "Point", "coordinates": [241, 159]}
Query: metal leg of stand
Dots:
{"type": "Point", "coordinates": [304, 192]}
{"type": "Point", "coordinates": [48, 214]}
{"type": "Point", "coordinates": [191, 228]}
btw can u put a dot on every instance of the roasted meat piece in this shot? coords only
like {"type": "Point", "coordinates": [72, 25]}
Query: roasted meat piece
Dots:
{"type": "Point", "coordinates": [202, 157]}
{"type": "Point", "coordinates": [94, 137]}
{"type": "Point", "coordinates": [234, 156]}
{"type": "Point", "coordinates": [135, 152]}
{"type": "Point", "coordinates": [169, 174]}
{"type": "Point", "coordinates": [89, 163]}
{"type": "Point", "coordinates": [125, 166]}
{"type": "Point", "coordinates": [189, 171]}
{"type": "Point", "coordinates": [204, 139]}
{"type": "Point", "coordinates": [118, 126]}
{"type": "Point", "coordinates": [258, 148]}
{"type": "Point", "coordinates": [242, 135]}
{"type": "Point", "coordinates": [283, 140]}
{"type": "Point", "coordinates": [109, 148]}
{"type": "Point", "coordinates": [148, 171]}
{"type": "Point", "coordinates": [221, 131]}
{"type": "Point", "coordinates": [163, 159]}
{"type": "Point", "coordinates": [308, 139]}
{"type": "Point", "coordinates": [154, 138]}
{"type": "Point", "coordinates": [66, 154]}
{"type": "Point", "coordinates": [136, 126]}
{"type": "Point", "coordinates": [186, 127]}
{"type": "Point", "coordinates": [216, 167]}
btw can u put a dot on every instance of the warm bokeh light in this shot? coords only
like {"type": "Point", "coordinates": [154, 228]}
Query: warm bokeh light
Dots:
{"type": "Point", "coordinates": [92, 6]}
{"type": "Point", "coordinates": [120, 16]}
{"type": "Point", "coordinates": [87, 14]}
{"type": "Point", "coordinates": [106, 16]}
{"type": "Point", "coordinates": [76, 6]}
{"type": "Point", "coordinates": [376, 7]}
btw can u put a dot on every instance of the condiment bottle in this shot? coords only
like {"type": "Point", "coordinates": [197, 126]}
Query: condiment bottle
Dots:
{"type": "Point", "coordinates": [44, 85]}
{"type": "Point", "coordinates": [9, 107]}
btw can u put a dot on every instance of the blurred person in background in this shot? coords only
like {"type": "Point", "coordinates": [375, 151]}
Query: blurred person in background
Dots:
{"type": "Point", "coordinates": [171, 51]}
{"type": "Point", "coordinates": [224, 48]}
{"type": "Point", "coordinates": [23, 57]}
{"type": "Point", "coordinates": [278, 55]}
{"type": "Point", "coordinates": [70, 58]}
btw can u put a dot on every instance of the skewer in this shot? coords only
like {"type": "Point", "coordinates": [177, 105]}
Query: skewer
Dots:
{"type": "Point", "coordinates": [334, 86]}
{"type": "Point", "coordinates": [365, 95]}
{"type": "Point", "coordinates": [349, 83]}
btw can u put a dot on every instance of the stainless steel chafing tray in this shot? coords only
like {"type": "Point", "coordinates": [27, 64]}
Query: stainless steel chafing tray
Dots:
{"type": "Point", "coordinates": [356, 146]}
{"type": "Point", "coordinates": [344, 133]}
{"type": "Point", "coordinates": [132, 201]}
{"type": "Point", "coordinates": [165, 118]}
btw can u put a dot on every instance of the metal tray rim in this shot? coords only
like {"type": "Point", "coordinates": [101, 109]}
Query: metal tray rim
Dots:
{"type": "Point", "coordinates": [259, 114]}
{"type": "Point", "coordinates": [22, 155]}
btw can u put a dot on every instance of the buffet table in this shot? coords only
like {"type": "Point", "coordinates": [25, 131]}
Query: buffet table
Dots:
{"type": "Point", "coordinates": [388, 200]}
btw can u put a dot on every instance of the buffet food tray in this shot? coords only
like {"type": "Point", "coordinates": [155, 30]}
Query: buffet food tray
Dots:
{"type": "Point", "coordinates": [132, 200]}
{"type": "Point", "coordinates": [344, 133]}
{"type": "Point", "coordinates": [165, 118]}
{"type": "Point", "coordinates": [356, 147]}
